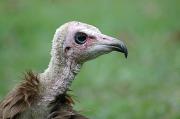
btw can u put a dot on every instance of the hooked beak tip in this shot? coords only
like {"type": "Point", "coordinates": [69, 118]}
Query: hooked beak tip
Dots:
{"type": "Point", "coordinates": [125, 51]}
{"type": "Point", "coordinates": [120, 48]}
{"type": "Point", "coordinates": [126, 54]}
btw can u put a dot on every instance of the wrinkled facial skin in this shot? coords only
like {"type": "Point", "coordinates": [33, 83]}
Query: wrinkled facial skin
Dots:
{"type": "Point", "coordinates": [96, 43]}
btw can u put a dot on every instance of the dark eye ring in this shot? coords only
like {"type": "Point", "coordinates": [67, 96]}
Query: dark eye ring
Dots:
{"type": "Point", "coordinates": [80, 38]}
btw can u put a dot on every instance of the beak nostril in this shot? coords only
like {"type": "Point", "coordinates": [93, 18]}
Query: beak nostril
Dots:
{"type": "Point", "coordinates": [92, 37]}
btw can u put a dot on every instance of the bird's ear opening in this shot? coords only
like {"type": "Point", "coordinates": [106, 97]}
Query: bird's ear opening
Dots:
{"type": "Point", "coordinates": [67, 49]}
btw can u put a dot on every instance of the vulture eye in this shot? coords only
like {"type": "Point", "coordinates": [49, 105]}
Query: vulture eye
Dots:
{"type": "Point", "coordinates": [80, 38]}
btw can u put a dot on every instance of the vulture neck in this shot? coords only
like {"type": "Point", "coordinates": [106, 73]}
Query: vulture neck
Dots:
{"type": "Point", "coordinates": [58, 77]}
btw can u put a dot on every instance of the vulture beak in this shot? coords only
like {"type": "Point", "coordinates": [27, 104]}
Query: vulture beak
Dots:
{"type": "Point", "coordinates": [109, 44]}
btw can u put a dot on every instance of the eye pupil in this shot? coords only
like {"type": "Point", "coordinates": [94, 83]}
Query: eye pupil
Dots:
{"type": "Point", "coordinates": [80, 38]}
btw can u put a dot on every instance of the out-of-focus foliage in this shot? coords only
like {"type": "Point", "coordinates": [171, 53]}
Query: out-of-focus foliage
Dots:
{"type": "Point", "coordinates": [144, 86]}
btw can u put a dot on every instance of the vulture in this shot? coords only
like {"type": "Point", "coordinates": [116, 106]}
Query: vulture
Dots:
{"type": "Point", "coordinates": [45, 95]}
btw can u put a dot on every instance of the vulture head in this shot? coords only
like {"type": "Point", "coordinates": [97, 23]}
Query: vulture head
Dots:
{"type": "Point", "coordinates": [82, 42]}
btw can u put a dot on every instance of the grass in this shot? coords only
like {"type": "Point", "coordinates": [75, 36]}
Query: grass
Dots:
{"type": "Point", "coordinates": [144, 86]}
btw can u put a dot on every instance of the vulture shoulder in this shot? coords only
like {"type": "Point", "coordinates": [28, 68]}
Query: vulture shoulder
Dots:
{"type": "Point", "coordinates": [21, 98]}
{"type": "Point", "coordinates": [27, 93]}
{"type": "Point", "coordinates": [61, 108]}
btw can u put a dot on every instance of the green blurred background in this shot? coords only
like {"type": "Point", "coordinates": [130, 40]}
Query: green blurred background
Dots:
{"type": "Point", "coordinates": [144, 86]}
